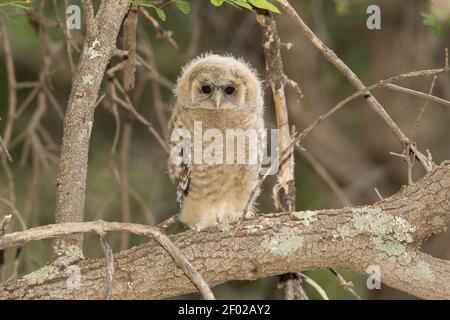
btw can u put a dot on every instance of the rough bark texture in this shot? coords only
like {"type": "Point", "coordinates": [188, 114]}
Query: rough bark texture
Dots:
{"type": "Point", "coordinates": [99, 45]}
{"type": "Point", "coordinates": [387, 234]}
{"type": "Point", "coordinates": [284, 190]}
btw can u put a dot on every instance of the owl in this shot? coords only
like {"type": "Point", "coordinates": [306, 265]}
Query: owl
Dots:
{"type": "Point", "coordinates": [219, 106]}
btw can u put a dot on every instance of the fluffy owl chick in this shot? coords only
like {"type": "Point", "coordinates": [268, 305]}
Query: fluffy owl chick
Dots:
{"type": "Point", "coordinates": [217, 97]}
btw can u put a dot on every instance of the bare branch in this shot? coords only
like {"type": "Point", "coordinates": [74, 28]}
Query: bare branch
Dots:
{"type": "Point", "coordinates": [419, 94]}
{"type": "Point", "coordinates": [89, 17]}
{"type": "Point", "coordinates": [160, 32]}
{"type": "Point", "coordinates": [4, 224]}
{"type": "Point", "coordinates": [315, 285]}
{"type": "Point", "coordinates": [129, 44]}
{"type": "Point", "coordinates": [353, 78]}
{"type": "Point", "coordinates": [347, 285]}
{"type": "Point", "coordinates": [422, 108]}
{"type": "Point", "coordinates": [12, 94]}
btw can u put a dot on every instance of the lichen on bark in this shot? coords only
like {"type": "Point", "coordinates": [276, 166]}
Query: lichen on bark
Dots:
{"type": "Point", "coordinates": [287, 241]}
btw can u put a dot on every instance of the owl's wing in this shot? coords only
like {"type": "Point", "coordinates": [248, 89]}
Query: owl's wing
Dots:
{"type": "Point", "coordinates": [179, 171]}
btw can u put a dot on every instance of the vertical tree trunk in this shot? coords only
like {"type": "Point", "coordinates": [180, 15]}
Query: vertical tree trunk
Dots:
{"type": "Point", "coordinates": [99, 46]}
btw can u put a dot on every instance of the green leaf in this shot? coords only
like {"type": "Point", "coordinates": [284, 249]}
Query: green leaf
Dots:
{"type": "Point", "coordinates": [183, 5]}
{"type": "Point", "coordinates": [17, 4]}
{"type": "Point", "coordinates": [341, 9]}
{"type": "Point", "coordinates": [242, 3]}
{"type": "Point", "coordinates": [264, 4]}
{"type": "Point", "coordinates": [217, 3]}
{"type": "Point", "coordinates": [430, 21]}
{"type": "Point", "coordinates": [143, 3]}
{"type": "Point", "coordinates": [437, 30]}
{"type": "Point", "coordinates": [161, 13]}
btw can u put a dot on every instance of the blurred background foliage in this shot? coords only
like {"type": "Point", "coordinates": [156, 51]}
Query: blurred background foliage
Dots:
{"type": "Point", "coordinates": [353, 146]}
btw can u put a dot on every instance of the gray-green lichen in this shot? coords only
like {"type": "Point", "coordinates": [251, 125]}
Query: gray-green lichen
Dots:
{"type": "Point", "coordinates": [67, 255]}
{"type": "Point", "coordinates": [423, 269]}
{"type": "Point", "coordinates": [224, 227]}
{"type": "Point", "coordinates": [389, 233]}
{"type": "Point", "coordinates": [263, 223]}
{"type": "Point", "coordinates": [305, 217]}
{"type": "Point", "coordinates": [344, 231]}
{"type": "Point", "coordinates": [285, 242]}
{"type": "Point", "coordinates": [91, 50]}
{"type": "Point", "coordinates": [87, 79]}
{"type": "Point", "coordinates": [392, 248]}
{"type": "Point", "coordinates": [41, 275]}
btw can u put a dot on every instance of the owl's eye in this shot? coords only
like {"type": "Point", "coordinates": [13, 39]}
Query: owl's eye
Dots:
{"type": "Point", "coordinates": [230, 90]}
{"type": "Point", "coordinates": [206, 89]}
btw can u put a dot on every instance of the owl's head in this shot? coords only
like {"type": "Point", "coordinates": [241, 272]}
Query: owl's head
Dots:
{"type": "Point", "coordinates": [214, 81]}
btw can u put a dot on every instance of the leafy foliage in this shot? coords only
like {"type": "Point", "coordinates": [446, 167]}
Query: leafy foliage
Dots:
{"type": "Point", "coordinates": [19, 4]}
{"type": "Point", "coordinates": [185, 7]}
{"type": "Point", "coordinates": [431, 21]}
{"type": "Point", "coordinates": [248, 4]}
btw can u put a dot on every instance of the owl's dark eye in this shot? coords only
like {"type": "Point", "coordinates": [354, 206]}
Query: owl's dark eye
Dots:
{"type": "Point", "coordinates": [230, 90]}
{"type": "Point", "coordinates": [206, 89]}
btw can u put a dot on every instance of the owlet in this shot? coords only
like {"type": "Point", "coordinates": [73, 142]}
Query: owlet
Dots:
{"type": "Point", "coordinates": [217, 130]}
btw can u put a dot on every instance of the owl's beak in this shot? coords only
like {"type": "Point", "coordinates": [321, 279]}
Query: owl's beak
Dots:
{"type": "Point", "coordinates": [218, 99]}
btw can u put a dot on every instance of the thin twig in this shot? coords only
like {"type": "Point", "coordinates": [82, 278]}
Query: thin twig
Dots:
{"type": "Point", "coordinates": [160, 32]}
{"type": "Point", "coordinates": [128, 105]}
{"type": "Point", "coordinates": [5, 150]}
{"type": "Point", "coordinates": [347, 285]}
{"type": "Point", "coordinates": [4, 224]}
{"type": "Point", "coordinates": [325, 176]}
{"type": "Point", "coordinates": [419, 94]}
{"type": "Point", "coordinates": [353, 78]}
{"type": "Point", "coordinates": [11, 76]}
{"type": "Point", "coordinates": [422, 109]}
{"type": "Point", "coordinates": [315, 285]}
{"type": "Point", "coordinates": [379, 194]}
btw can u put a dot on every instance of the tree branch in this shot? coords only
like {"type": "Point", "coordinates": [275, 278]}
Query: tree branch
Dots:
{"type": "Point", "coordinates": [353, 79]}
{"type": "Point", "coordinates": [89, 16]}
{"type": "Point", "coordinates": [78, 121]}
{"type": "Point", "coordinates": [386, 234]}
{"type": "Point", "coordinates": [284, 190]}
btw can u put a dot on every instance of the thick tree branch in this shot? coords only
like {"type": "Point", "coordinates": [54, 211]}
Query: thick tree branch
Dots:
{"type": "Point", "coordinates": [386, 234]}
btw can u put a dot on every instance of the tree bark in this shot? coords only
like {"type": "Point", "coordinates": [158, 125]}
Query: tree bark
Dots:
{"type": "Point", "coordinates": [386, 234]}
{"type": "Point", "coordinates": [99, 46]}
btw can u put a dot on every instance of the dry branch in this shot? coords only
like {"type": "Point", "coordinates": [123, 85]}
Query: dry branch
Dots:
{"type": "Point", "coordinates": [129, 44]}
{"type": "Point", "coordinates": [419, 94]}
{"type": "Point", "coordinates": [12, 94]}
{"type": "Point", "coordinates": [354, 80]}
{"type": "Point", "coordinates": [387, 234]}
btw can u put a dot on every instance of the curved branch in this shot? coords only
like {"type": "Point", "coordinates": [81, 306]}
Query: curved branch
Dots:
{"type": "Point", "coordinates": [386, 234]}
